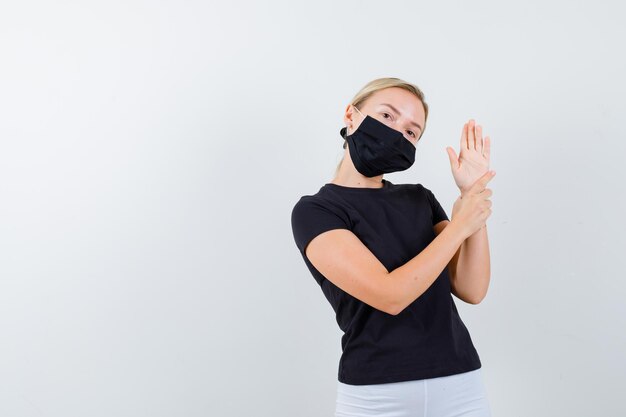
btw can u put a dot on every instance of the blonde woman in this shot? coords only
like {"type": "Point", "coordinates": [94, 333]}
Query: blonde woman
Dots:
{"type": "Point", "coordinates": [388, 260]}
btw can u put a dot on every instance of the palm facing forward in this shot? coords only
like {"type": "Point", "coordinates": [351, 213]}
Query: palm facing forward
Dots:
{"type": "Point", "coordinates": [473, 160]}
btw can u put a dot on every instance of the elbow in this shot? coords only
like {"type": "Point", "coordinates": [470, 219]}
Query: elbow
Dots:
{"type": "Point", "coordinates": [476, 300]}
{"type": "Point", "coordinates": [395, 309]}
{"type": "Point", "coordinates": [389, 297]}
{"type": "Point", "coordinates": [468, 298]}
{"type": "Point", "coordinates": [391, 307]}
{"type": "Point", "coordinates": [387, 307]}
{"type": "Point", "coordinates": [473, 301]}
{"type": "Point", "coordinates": [473, 296]}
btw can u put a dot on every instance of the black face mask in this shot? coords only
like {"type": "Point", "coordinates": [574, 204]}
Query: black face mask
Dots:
{"type": "Point", "coordinates": [377, 149]}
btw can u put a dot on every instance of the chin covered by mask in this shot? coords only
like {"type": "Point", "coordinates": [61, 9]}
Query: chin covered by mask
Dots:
{"type": "Point", "coordinates": [377, 149]}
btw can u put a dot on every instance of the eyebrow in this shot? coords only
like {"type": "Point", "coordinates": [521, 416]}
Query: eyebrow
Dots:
{"type": "Point", "coordinates": [396, 110]}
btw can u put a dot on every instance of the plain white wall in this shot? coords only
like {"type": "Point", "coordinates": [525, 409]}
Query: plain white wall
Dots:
{"type": "Point", "coordinates": [151, 153]}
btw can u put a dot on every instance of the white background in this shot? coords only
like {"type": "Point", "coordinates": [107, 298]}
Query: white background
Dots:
{"type": "Point", "coordinates": [151, 153]}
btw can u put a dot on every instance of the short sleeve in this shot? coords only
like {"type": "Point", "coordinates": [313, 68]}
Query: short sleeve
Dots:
{"type": "Point", "coordinates": [439, 213]}
{"type": "Point", "coordinates": [311, 217]}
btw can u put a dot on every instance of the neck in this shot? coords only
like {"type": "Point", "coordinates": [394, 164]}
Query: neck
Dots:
{"type": "Point", "coordinates": [348, 176]}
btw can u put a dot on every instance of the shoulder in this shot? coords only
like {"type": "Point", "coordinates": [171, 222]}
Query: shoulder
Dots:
{"type": "Point", "coordinates": [313, 206]}
{"type": "Point", "coordinates": [313, 215]}
{"type": "Point", "coordinates": [416, 190]}
{"type": "Point", "coordinates": [416, 187]}
{"type": "Point", "coordinates": [423, 189]}
{"type": "Point", "coordinates": [309, 201]}
{"type": "Point", "coordinates": [427, 192]}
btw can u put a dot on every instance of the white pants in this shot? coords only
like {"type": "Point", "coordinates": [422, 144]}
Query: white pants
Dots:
{"type": "Point", "coordinates": [460, 395]}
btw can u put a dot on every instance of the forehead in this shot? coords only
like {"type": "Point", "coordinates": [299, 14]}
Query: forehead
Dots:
{"type": "Point", "coordinates": [406, 102]}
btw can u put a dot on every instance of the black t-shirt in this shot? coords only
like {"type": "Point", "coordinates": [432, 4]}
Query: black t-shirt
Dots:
{"type": "Point", "coordinates": [428, 338]}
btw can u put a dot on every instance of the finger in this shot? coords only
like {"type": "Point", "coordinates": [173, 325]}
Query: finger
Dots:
{"type": "Point", "coordinates": [487, 147]}
{"type": "Point", "coordinates": [454, 160]}
{"type": "Point", "coordinates": [471, 137]}
{"type": "Point", "coordinates": [486, 192]}
{"type": "Point", "coordinates": [464, 137]}
{"type": "Point", "coordinates": [479, 138]}
{"type": "Point", "coordinates": [481, 183]}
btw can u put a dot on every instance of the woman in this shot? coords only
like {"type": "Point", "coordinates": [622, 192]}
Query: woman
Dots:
{"type": "Point", "coordinates": [387, 258]}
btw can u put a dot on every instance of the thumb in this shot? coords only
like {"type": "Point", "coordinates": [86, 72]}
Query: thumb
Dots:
{"type": "Point", "coordinates": [481, 183]}
{"type": "Point", "coordinates": [454, 160]}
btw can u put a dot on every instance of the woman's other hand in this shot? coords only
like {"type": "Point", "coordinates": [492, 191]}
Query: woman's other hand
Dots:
{"type": "Point", "coordinates": [473, 159]}
{"type": "Point", "coordinates": [470, 211]}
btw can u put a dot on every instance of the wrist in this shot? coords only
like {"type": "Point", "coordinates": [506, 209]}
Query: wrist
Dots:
{"type": "Point", "coordinates": [457, 230]}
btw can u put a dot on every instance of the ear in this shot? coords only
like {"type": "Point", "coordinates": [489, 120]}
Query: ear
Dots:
{"type": "Point", "coordinates": [347, 117]}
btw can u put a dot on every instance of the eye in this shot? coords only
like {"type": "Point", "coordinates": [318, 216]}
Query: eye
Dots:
{"type": "Point", "coordinates": [385, 115]}
{"type": "Point", "coordinates": [411, 133]}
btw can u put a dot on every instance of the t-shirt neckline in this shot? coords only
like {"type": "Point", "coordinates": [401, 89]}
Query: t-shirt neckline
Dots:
{"type": "Point", "coordinates": [386, 186]}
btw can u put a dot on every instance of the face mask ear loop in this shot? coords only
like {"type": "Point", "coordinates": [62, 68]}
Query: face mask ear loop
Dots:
{"type": "Point", "coordinates": [357, 109]}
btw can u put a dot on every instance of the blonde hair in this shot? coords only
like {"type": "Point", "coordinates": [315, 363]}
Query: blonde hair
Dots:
{"type": "Point", "coordinates": [379, 84]}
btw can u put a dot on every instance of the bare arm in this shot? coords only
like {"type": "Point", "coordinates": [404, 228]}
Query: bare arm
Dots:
{"type": "Point", "coordinates": [469, 268]}
{"type": "Point", "coordinates": [344, 260]}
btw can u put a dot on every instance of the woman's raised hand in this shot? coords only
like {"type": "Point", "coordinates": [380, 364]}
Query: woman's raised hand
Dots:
{"type": "Point", "coordinates": [473, 159]}
{"type": "Point", "coordinates": [471, 210]}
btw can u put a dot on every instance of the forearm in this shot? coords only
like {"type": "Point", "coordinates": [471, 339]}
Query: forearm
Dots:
{"type": "Point", "coordinates": [412, 279]}
{"type": "Point", "coordinates": [471, 276]}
